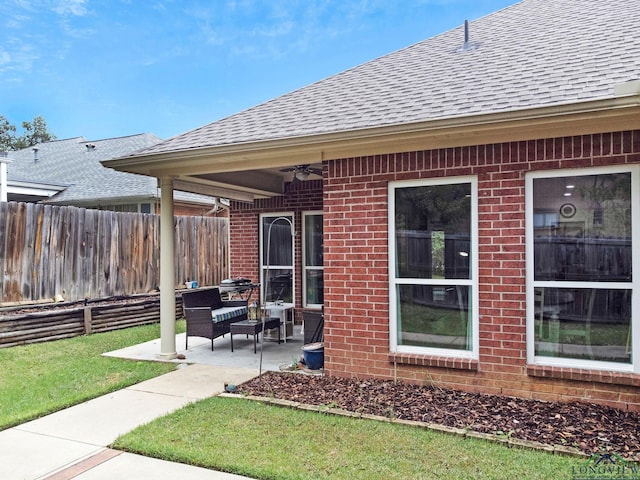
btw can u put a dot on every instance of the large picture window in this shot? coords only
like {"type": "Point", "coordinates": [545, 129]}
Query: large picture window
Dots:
{"type": "Point", "coordinates": [433, 266]}
{"type": "Point", "coordinates": [580, 261]}
{"type": "Point", "coordinates": [276, 257]}
{"type": "Point", "coordinates": [313, 263]}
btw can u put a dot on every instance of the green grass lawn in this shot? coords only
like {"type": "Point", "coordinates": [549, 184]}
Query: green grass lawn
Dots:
{"type": "Point", "coordinates": [270, 442]}
{"type": "Point", "coordinates": [41, 378]}
{"type": "Point", "coordinates": [245, 437]}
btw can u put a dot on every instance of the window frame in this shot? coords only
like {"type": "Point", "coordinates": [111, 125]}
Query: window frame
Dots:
{"type": "Point", "coordinates": [306, 267]}
{"type": "Point", "coordinates": [262, 246]}
{"type": "Point", "coordinates": [472, 282]}
{"type": "Point", "coordinates": [634, 285]}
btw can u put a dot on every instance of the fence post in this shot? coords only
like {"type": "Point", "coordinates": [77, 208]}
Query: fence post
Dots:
{"type": "Point", "coordinates": [88, 327]}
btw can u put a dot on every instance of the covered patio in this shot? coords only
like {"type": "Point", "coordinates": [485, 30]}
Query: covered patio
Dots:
{"type": "Point", "coordinates": [275, 357]}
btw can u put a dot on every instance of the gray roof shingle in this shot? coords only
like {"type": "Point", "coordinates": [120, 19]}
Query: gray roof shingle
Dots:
{"type": "Point", "coordinates": [534, 53]}
{"type": "Point", "coordinates": [69, 162]}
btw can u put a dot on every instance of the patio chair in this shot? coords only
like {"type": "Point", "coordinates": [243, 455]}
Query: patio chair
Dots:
{"type": "Point", "coordinates": [313, 327]}
{"type": "Point", "coordinates": [208, 316]}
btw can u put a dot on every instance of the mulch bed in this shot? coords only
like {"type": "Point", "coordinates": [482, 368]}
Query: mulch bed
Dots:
{"type": "Point", "coordinates": [588, 428]}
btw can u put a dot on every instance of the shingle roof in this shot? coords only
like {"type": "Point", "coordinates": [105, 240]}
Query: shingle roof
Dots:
{"type": "Point", "coordinates": [534, 53]}
{"type": "Point", "coordinates": [70, 162]}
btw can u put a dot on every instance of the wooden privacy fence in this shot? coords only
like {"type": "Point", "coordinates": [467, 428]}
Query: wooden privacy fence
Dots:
{"type": "Point", "coordinates": [80, 253]}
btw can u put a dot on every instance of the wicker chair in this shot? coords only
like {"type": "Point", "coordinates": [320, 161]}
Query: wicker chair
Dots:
{"type": "Point", "coordinates": [208, 316]}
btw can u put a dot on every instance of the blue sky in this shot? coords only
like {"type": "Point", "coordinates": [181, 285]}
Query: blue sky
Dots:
{"type": "Point", "coordinates": [108, 68]}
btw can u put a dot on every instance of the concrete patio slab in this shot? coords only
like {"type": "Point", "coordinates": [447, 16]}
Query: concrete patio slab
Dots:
{"type": "Point", "coordinates": [274, 355]}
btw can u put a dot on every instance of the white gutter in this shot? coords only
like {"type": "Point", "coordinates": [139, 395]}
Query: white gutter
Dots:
{"type": "Point", "coordinates": [524, 124]}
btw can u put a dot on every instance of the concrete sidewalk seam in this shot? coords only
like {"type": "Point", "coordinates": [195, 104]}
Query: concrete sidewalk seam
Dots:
{"type": "Point", "coordinates": [55, 437]}
{"type": "Point", "coordinates": [172, 395]}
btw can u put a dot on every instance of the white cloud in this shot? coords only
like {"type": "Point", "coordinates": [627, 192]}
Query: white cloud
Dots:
{"type": "Point", "coordinates": [261, 28]}
{"type": "Point", "coordinates": [5, 58]}
{"type": "Point", "coordinates": [19, 57]}
{"type": "Point", "coordinates": [70, 7]}
{"type": "Point", "coordinates": [38, 33]}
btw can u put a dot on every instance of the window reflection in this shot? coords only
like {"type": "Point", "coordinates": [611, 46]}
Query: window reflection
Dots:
{"type": "Point", "coordinates": [277, 264]}
{"type": "Point", "coordinates": [434, 316]}
{"type": "Point", "coordinates": [582, 228]}
{"type": "Point", "coordinates": [433, 225]}
{"type": "Point", "coordinates": [584, 323]}
{"type": "Point", "coordinates": [433, 258]}
{"type": "Point", "coordinates": [582, 233]}
{"type": "Point", "coordinates": [313, 259]}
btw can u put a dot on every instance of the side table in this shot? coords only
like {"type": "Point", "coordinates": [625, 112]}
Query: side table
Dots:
{"type": "Point", "coordinates": [254, 327]}
{"type": "Point", "coordinates": [284, 311]}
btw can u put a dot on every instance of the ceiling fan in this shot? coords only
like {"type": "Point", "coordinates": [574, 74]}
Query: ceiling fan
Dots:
{"type": "Point", "coordinates": [302, 172]}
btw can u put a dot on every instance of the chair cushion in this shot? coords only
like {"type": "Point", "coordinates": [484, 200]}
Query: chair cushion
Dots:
{"type": "Point", "coordinates": [227, 313]}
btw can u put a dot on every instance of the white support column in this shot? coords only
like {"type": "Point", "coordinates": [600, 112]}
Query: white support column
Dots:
{"type": "Point", "coordinates": [167, 272]}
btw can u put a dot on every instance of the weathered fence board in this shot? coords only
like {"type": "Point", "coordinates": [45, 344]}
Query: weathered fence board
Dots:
{"type": "Point", "coordinates": [78, 253]}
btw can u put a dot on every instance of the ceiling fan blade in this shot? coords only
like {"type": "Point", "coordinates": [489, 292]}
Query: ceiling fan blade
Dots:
{"type": "Point", "coordinates": [301, 172]}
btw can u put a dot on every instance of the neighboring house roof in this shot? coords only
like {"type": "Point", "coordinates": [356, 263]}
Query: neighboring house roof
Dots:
{"type": "Point", "coordinates": [74, 165]}
{"type": "Point", "coordinates": [536, 69]}
{"type": "Point", "coordinates": [534, 53]}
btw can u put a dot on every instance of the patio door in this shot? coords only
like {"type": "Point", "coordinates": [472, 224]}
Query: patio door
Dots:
{"type": "Point", "coordinates": [276, 257]}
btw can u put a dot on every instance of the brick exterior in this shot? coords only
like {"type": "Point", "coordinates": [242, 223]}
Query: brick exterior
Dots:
{"type": "Point", "coordinates": [356, 272]}
{"type": "Point", "coordinates": [244, 245]}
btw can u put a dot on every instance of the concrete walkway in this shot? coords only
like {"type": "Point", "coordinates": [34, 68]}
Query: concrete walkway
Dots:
{"type": "Point", "coordinates": [72, 443]}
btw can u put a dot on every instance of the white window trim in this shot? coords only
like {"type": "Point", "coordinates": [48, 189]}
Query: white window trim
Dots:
{"type": "Point", "coordinates": [262, 246]}
{"type": "Point", "coordinates": [634, 367]}
{"type": "Point", "coordinates": [473, 282]}
{"type": "Point", "coordinates": [305, 268]}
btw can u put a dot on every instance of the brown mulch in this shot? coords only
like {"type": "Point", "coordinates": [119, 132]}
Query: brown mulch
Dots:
{"type": "Point", "coordinates": [587, 427]}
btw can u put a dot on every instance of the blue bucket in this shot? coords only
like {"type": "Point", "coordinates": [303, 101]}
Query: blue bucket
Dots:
{"type": "Point", "coordinates": [313, 354]}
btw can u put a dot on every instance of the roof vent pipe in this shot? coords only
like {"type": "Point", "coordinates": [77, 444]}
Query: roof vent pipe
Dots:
{"type": "Point", "coordinates": [467, 45]}
{"type": "Point", "coordinates": [35, 155]}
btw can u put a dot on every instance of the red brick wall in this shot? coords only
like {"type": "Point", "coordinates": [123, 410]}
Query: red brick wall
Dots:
{"type": "Point", "coordinates": [244, 244]}
{"type": "Point", "coordinates": [356, 271]}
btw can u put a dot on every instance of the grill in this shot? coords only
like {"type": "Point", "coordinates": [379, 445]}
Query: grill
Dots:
{"type": "Point", "coordinates": [241, 288]}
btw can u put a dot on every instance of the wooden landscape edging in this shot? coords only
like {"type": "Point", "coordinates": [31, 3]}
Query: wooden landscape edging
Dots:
{"type": "Point", "coordinates": [51, 322]}
{"type": "Point", "coordinates": [490, 437]}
